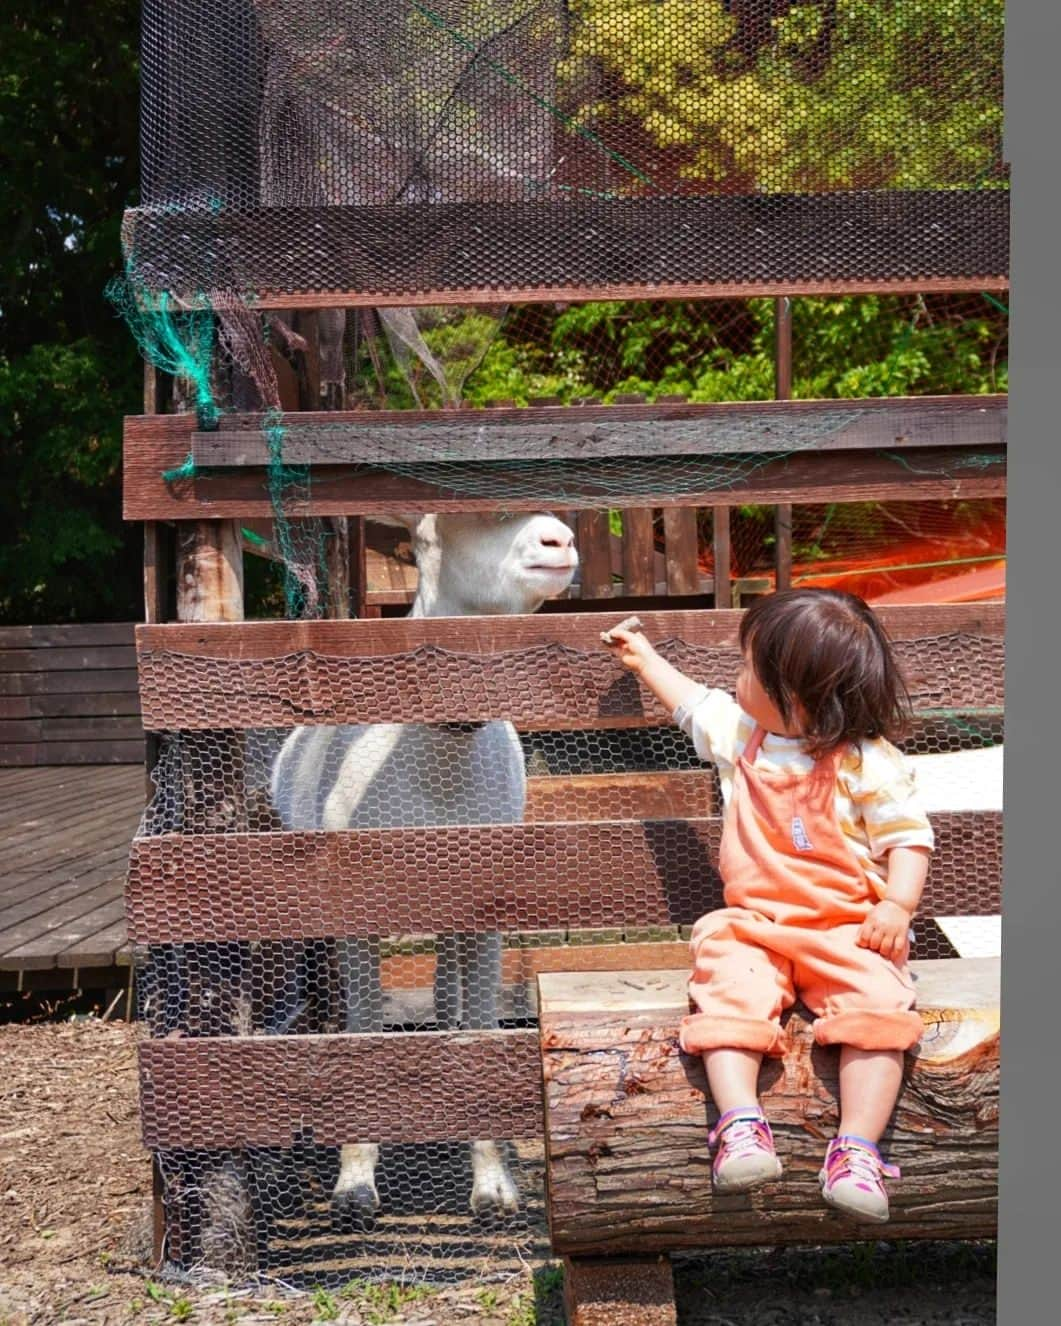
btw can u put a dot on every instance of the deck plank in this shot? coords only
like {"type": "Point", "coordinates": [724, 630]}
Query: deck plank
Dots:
{"type": "Point", "coordinates": [64, 840]}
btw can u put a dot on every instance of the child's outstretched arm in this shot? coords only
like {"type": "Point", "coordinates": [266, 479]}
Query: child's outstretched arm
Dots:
{"type": "Point", "coordinates": [887, 927]}
{"type": "Point", "coordinates": [633, 650]}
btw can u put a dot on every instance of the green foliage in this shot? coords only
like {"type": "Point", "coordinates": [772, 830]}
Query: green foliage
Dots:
{"type": "Point", "coordinates": [68, 368]}
{"type": "Point", "coordinates": [856, 346]}
{"type": "Point", "coordinates": [884, 95]}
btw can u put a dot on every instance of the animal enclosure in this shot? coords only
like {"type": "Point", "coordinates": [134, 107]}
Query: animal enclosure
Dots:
{"type": "Point", "coordinates": [369, 837]}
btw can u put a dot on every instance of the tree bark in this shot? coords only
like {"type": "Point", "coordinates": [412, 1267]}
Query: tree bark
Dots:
{"type": "Point", "coordinates": [627, 1120]}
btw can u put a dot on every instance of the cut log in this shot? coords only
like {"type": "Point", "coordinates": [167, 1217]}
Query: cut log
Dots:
{"type": "Point", "coordinates": [627, 1118]}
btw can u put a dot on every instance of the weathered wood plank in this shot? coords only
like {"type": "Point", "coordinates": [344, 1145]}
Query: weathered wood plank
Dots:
{"type": "Point", "coordinates": [72, 636]}
{"type": "Point", "coordinates": [480, 878]}
{"type": "Point", "coordinates": [624, 1107]}
{"type": "Point", "coordinates": [223, 1091]}
{"type": "Point", "coordinates": [61, 929]}
{"type": "Point", "coordinates": [593, 538]}
{"type": "Point", "coordinates": [158, 444]}
{"type": "Point", "coordinates": [65, 658]}
{"type": "Point", "coordinates": [73, 728]}
{"type": "Point", "coordinates": [113, 681]}
{"type": "Point", "coordinates": [540, 671]}
{"type": "Point", "coordinates": [76, 752]}
{"type": "Point", "coordinates": [680, 537]}
{"type": "Point", "coordinates": [374, 437]}
{"type": "Point", "coordinates": [685, 794]}
{"type": "Point", "coordinates": [102, 704]}
{"type": "Point", "coordinates": [639, 552]}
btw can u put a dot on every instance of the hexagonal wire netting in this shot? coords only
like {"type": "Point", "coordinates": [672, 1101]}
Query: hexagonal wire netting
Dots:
{"type": "Point", "coordinates": [461, 151]}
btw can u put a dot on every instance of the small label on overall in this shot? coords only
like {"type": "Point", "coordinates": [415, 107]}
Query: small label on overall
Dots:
{"type": "Point", "coordinates": [799, 836]}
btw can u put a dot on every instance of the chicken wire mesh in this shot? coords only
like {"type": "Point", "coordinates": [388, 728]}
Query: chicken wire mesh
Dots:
{"type": "Point", "coordinates": [465, 855]}
{"type": "Point", "coordinates": [534, 144]}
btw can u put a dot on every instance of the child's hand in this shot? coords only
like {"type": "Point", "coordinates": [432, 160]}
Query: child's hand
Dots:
{"type": "Point", "coordinates": [630, 647]}
{"type": "Point", "coordinates": [886, 929]}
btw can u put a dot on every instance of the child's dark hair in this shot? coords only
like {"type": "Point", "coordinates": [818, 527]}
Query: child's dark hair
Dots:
{"type": "Point", "coordinates": [824, 651]}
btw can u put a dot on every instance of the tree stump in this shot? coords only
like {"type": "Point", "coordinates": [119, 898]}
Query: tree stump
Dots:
{"type": "Point", "coordinates": [627, 1120]}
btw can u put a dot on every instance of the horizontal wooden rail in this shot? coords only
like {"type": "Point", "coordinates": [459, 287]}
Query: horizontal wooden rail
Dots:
{"type": "Point", "coordinates": [541, 670]}
{"type": "Point", "coordinates": [478, 878]}
{"type": "Point", "coordinates": [279, 1090]}
{"type": "Point", "coordinates": [160, 444]}
{"type": "Point", "coordinates": [374, 437]}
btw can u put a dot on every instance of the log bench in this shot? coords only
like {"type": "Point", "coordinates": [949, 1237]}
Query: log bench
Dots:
{"type": "Point", "coordinates": [627, 1118]}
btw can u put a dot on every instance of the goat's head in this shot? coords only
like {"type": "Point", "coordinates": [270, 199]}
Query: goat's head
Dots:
{"type": "Point", "coordinates": [484, 564]}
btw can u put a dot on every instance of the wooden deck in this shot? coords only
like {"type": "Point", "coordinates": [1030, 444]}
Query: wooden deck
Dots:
{"type": "Point", "coordinates": [64, 844]}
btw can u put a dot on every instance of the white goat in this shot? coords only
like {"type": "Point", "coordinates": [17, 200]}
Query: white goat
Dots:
{"type": "Point", "coordinates": [388, 775]}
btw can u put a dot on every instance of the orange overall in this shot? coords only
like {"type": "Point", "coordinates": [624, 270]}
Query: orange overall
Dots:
{"type": "Point", "coordinates": [796, 899]}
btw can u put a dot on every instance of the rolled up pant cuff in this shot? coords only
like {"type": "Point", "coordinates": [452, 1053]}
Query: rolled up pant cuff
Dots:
{"type": "Point", "coordinates": [705, 1031]}
{"type": "Point", "coordinates": [868, 1029]}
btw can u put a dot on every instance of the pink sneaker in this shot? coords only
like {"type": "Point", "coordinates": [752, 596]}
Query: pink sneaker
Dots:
{"type": "Point", "coordinates": [852, 1178]}
{"type": "Point", "coordinates": [746, 1155]}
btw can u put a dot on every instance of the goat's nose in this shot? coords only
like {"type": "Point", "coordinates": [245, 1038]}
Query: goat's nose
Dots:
{"type": "Point", "coordinates": [555, 534]}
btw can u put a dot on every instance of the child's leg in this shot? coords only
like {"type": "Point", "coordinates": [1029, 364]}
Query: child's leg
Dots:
{"type": "Point", "coordinates": [865, 1005]}
{"type": "Point", "coordinates": [739, 989]}
{"type": "Point", "coordinates": [869, 1087]}
{"type": "Point", "coordinates": [733, 1077]}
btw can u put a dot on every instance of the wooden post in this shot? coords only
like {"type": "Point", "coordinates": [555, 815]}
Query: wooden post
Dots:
{"type": "Point", "coordinates": [639, 552]}
{"type": "Point", "coordinates": [595, 554]}
{"type": "Point", "coordinates": [720, 541]}
{"type": "Point", "coordinates": [783, 392]}
{"type": "Point", "coordinates": [619, 1291]}
{"type": "Point", "coordinates": [680, 538]}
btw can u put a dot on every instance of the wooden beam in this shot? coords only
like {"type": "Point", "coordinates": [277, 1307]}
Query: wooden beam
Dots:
{"type": "Point", "coordinates": [584, 432]}
{"type": "Point", "coordinates": [159, 445]}
{"type": "Point", "coordinates": [480, 878]}
{"type": "Point", "coordinates": [624, 1107]}
{"type": "Point", "coordinates": [548, 249]}
{"type": "Point", "coordinates": [232, 1091]}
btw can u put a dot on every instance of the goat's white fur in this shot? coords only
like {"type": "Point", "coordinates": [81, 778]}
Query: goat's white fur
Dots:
{"type": "Point", "coordinates": [393, 774]}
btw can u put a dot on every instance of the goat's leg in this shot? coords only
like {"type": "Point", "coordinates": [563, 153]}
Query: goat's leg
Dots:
{"type": "Point", "coordinates": [355, 1200]}
{"type": "Point", "coordinates": [494, 1190]}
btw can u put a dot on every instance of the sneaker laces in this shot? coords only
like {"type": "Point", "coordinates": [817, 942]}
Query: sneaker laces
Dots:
{"type": "Point", "coordinates": [742, 1135]}
{"type": "Point", "coordinates": [859, 1162]}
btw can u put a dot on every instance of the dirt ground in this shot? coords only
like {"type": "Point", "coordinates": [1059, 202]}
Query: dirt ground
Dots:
{"type": "Point", "coordinates": [75, 1233]}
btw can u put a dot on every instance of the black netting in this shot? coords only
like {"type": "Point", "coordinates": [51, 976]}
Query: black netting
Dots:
{"type": "Point", "coordinates": [406, 147]}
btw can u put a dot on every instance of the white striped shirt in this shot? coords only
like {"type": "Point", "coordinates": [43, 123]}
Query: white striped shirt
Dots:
{"type": "Point", "coordinates": [877, 805]}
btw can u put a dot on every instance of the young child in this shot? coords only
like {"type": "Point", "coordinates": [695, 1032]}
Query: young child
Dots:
{"type": "Point", "coordinates": [824, 856]}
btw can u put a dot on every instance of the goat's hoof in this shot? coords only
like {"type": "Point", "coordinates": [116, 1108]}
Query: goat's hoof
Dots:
{"type": "Point", "coordinates": [354, 1209]}
{"type": "Point", "coordinates": [495, 1198]}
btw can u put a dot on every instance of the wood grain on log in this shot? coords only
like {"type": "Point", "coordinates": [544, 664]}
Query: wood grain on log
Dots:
{"type": "Point", "coordinates": [627, 1120]}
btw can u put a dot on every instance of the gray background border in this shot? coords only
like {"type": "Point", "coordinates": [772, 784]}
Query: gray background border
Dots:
{"type": "Point", "coordinates": [1030, 1177]}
